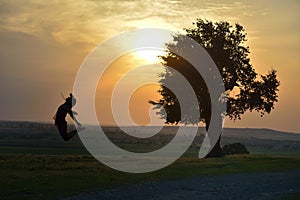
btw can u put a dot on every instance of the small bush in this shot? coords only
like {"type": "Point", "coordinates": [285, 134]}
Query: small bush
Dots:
{"type": "Point", "coordinates": [235, 148]}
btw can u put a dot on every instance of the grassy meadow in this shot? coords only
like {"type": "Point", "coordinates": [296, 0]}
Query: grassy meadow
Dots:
{"type": "Point", "coordinates": [29, 176]}
{"type": "Point", "coordinates": [42, 166]}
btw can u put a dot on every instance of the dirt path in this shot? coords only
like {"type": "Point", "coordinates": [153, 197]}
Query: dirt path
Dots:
{"type": "Point", "coordinates": [267, 185]}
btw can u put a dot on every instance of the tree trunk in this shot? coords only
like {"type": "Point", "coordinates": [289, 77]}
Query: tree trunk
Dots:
{"type": "Point", "coordinates": [216, 151]}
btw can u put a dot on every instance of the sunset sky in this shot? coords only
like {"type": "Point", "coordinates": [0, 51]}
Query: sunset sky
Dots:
{"type": "Point", "coordinates": [43, 43]}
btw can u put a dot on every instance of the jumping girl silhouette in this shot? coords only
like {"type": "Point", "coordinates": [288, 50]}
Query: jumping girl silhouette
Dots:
{"type": "Point", "coordinates": [60, 118]}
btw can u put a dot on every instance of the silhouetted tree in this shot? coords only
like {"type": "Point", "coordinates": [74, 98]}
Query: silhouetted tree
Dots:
{"type": "Point", "coordinates": [225, 43]}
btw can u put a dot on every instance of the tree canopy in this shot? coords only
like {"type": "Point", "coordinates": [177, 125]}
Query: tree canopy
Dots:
{"type": "Point", "coordinates": [245, 89]}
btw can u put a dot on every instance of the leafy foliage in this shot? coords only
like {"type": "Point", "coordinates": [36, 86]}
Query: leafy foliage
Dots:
{"type": "Point", "coordinates": [245, 89]}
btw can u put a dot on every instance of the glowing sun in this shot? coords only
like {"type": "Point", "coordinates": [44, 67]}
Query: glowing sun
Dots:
{"type": "Point", "coordinates": [149, 55]}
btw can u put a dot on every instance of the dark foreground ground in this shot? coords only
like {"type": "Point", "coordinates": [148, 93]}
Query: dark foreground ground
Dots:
{"type": "Point", "coordinates": [261, 185]}
{"type": "Point", "coordinates": [35, 163]}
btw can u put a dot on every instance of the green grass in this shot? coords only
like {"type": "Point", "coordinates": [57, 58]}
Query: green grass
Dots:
{"type": "Point", "coordinates": [264, 152]}
{"type": "Point", "coordinates": [42, 150]}
{"type": "Point", "coordinates": [45, 167]}
{"type": "Point", "coordinates": [49, 176]}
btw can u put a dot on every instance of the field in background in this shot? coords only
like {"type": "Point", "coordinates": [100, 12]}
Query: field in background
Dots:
{"type": "Point", "coordinates": [37, 164]}
{"type": "Point", "coordinates": [35, 138]}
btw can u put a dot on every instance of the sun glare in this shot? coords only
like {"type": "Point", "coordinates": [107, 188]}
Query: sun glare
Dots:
{"type": "Point", "coordinates": [150, 56]}
{"type": "Point", "coordinates": [150, 44]}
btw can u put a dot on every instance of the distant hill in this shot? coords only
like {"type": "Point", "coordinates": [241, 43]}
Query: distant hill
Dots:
{"type": "Point", "coordinates": [260, 134]}
{"type": "Point", "coordinates": [15, 133]}
{"type": "Point", "coordinates": [247, 133]}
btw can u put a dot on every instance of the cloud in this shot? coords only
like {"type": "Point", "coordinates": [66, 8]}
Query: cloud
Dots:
{"type": "Point", "coordinates": [66, 21]}
{"type": "Point", "coordinates": [81, 21]}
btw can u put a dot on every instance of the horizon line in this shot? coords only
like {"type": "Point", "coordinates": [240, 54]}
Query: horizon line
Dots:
{"type": "Point", "coordinates": [115, 125]}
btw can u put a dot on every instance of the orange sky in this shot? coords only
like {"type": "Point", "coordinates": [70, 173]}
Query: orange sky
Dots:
{"type": "Point", "coordinates": [43, 44]}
